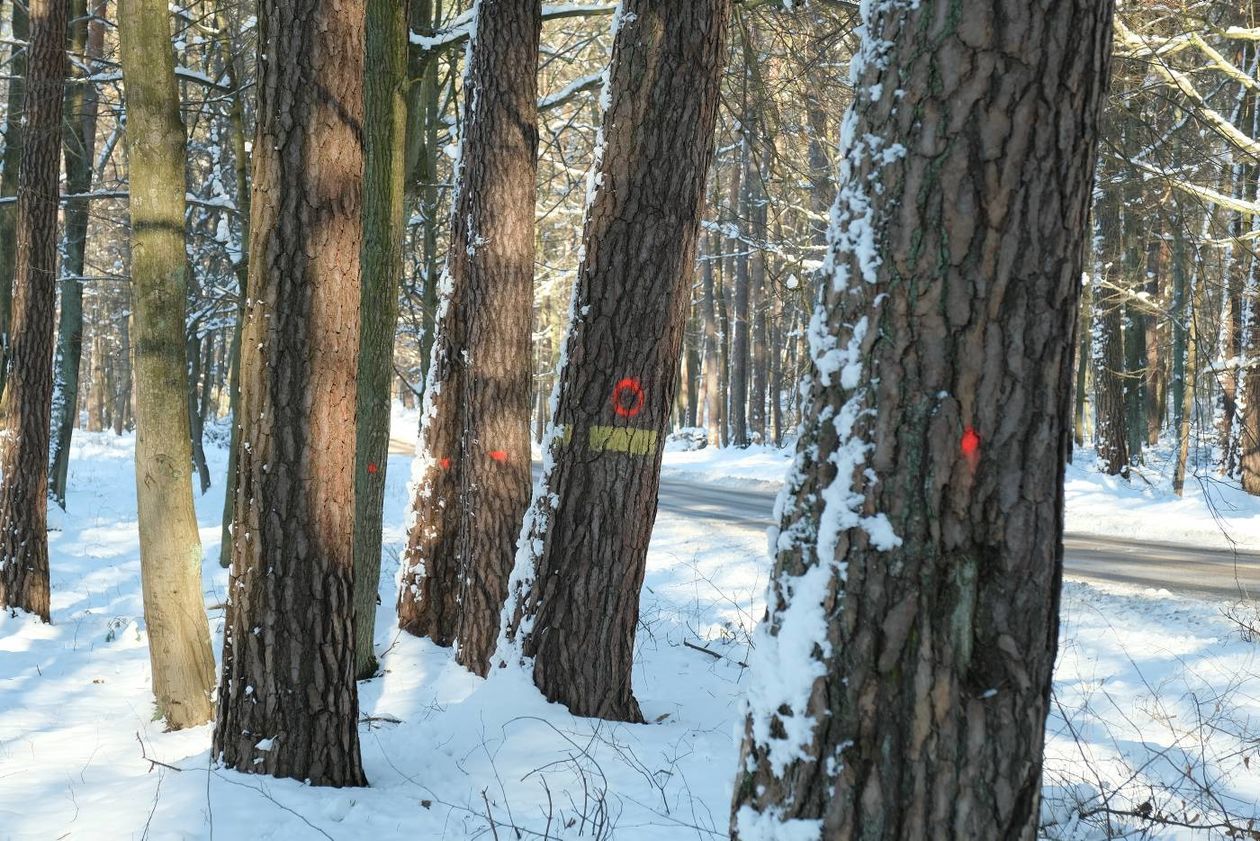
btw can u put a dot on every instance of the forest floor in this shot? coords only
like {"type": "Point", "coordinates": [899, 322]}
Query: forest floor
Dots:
{"type": "Point", "coordinates": [1157, 696]}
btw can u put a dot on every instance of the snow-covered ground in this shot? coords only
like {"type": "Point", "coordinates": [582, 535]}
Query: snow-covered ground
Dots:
{"type": "Point", "coordinates": [1150, 688]}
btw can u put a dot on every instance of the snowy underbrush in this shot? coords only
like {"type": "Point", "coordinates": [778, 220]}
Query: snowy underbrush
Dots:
{"type": "Point", "coordinates": [1154, 730]}
{"type": "Point", "coordinates": [1153, 694]}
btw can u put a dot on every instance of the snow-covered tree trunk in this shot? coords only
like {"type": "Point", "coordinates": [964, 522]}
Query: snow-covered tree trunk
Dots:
{"type": "Point", "coordinates": [900, 682]}
{"type": "Point", "coordinates": [583, 549]}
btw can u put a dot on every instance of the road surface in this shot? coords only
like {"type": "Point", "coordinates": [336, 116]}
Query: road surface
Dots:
{"type": "Point", "coordinates": [1186, 569]}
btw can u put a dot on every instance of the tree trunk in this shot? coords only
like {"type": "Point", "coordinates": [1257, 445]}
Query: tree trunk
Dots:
{"type": "Point", "coordinates": [494, 458]}
{"type": "Point", "coordinates": [26, 407]}
{"type": "Point", "coordinates": [170, 544]}
{"type": "Point", "coordinates": [1110, 431]}
{"type": "Point", "coordinates": [740, 297]}
{"type": "Point", "coordinates": [473, 466]}
{"type": "Point", "coordinates": [1156, 380]}
{"type": "Point", "coordinates": [87, 37]}
{"type": "Point", "coordinates": [240, 160]}
{"type": "Point", "coordinates": [288, 703]}
{"type": "Point", "coordinates": [196, 430]}
{"type": "Point", "coordinates": [120, 415]}
{"type": "Point", "coordinates": [712, 344]}
{"type": "Point", "coordinates": [900, 683]}
{"type": "Point", "coordinates": [1084, 354]}
{"type": "Point", "coordinates": [11, 163]}
{"type": "Point", "coordinates": [585, 539]}
{"type": "Point", "coordinates": [385, 113]}
{"type": "Point", "coordinates": [1181, 317]}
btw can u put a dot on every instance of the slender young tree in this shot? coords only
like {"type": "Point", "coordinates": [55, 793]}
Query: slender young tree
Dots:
{"type": "Point", "coordinates": [473, 468]}
{"type": "Point", "coordinates": [288, 702]}
{"type": "Point", "coordinates": [384, 115]}
{"type": "Point", "coordinates": [900, 682]}
{"type": "Point", "coordinates": [170, 544]}
{"type": "Point", "coordinates": [87, 38]}
{"type": "Point", "coordinates": [26, 407]}
{"type": "Point", "coordinates": [584, 543]}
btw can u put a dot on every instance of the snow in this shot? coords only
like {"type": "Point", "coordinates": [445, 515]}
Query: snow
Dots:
{"type": "Point", "coordinates": [1148, 685]}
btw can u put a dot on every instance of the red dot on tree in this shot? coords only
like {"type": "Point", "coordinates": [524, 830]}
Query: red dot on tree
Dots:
{"type": "Point", "coordinates": [970, 444]}
{"type": "Point", "coordinates": [445, 462]}
{"type": "Point", "coordinates": [371, 468]}
{"type": "Point", "coordinates": [499, 455]}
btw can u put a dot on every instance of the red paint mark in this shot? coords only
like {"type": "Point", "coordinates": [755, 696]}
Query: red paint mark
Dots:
{"type": "Point", "coordinates": [372, 467]}
{"type": "Point", "coordinates": [628, 408]}
{"type": "Point", "coordinates": [499, 455]}
{"type": "Point", "coordinates": [445, 462]}
{"type": "Point", "coordinates": [970, 444]}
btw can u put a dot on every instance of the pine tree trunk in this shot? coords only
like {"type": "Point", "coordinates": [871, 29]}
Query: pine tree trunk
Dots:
{"type": "Point", "coordinates": [712, 343]}
{"type": "Point", "coordinates": [1110, 432]}
{"type": "Point", "coordinates": [384, 123]}
{"type": "Point", "coordinates": [1181, 317]}
{"type": "Point", "coordinates": [26, 407]}
{"type": "Point", "coordinates": [586, 537]}
{"type": "Point", "coordinates": [1084, 353]}
{"type": "Point", "coordinates": [240, 160]}
{"type": "Point", "coordinates": [473, 469]}
{"type": "Point", "coordinates": [493, 461]}
{"type": "Point", "coordinates": [1249, 410]}
{"type": "Point", "coordinates": [759, 294]}
{"type": "Point", "coordinates": [120, 412]}
{"type": "Point", "coordinates": [900, 683]}
{"type": "Point", "coordinates": [740, 351]}
{"type": "Point", "coordinates": [11, 163]}
{"type": "Point", "coordinates": [87, 37]}
{"type": "Point", "coordinates": [288, 703]}
{"type": "Point", "coordinates": [691, 368]}
{"type": "Point", "coordinates": [196, 430]}
{"type": "Point", "coordinates": [1156, 379]}
{"type": "Point", "coordinates": [170, 544]}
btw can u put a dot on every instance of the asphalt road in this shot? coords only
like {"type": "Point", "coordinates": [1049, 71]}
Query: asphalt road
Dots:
{"type": "Point", "coordinates": [1179, 568]}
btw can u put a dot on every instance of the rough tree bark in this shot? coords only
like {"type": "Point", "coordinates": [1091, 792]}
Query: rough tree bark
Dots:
{"type": "Point", "coordinates": [584, 542]}
{"type": "Point", "coordinates": [11, 163]}
{"type": "Point", "coordinates": [87, 37]}
{"type": "Point", "coordinates": [384, 110]}
{"type": "Point", "coordinates": [26, 407]}
{"type": "Point", "coordinates": [240, 162]}
{"type": "Point", "coordinates": [170, 544]}
{"type": "Point", "coordinates": [493, 461]}
{"type": "Point", "coordinates": [472, 468]}
{"type": "Point", "coordinates": [288, 702]}
{"type": "Point", "coordinates": [900, 683]}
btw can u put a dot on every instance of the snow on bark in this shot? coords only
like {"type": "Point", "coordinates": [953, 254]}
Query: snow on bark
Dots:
{"type": "Point", "coordinates": [791, 647]}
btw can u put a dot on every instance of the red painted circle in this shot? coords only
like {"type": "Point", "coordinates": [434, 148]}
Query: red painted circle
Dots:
{"type": "Point", "coordinates": [620, 406]}
{"type": "Point", "coordinates": [371, 467]}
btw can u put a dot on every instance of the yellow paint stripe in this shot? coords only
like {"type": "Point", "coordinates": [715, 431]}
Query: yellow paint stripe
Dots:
{"type": "Point", "coordinates": [622, 439]}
